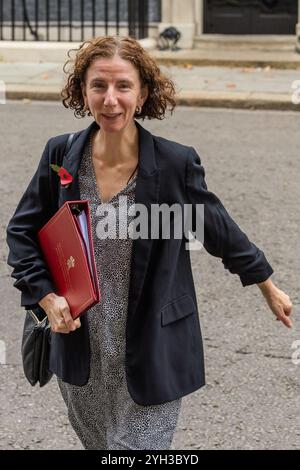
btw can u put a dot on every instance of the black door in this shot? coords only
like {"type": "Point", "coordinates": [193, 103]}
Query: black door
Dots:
{"type": "Point", "coordinates": [250, 16]}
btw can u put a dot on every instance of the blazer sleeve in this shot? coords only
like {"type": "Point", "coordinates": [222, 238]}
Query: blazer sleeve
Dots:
{"type": "Point", "coordinates": [222, 236]}
{"type": "Point", "coordinates": [34, 209]}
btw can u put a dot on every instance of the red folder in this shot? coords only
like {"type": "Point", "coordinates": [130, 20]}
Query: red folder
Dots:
{"type": "Point", "coordinates": [67, 245]}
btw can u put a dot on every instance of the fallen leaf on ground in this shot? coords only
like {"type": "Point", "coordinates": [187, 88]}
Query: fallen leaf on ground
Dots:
{"type": "Point", "coordinates": [248, 69]}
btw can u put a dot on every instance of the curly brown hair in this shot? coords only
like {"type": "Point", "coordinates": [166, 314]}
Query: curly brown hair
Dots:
{"type": "Point", "coordinates": [161, 88]}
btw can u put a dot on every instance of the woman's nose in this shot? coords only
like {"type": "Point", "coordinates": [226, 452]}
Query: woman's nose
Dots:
{"type": "Point", "coordinates": [110, 97]}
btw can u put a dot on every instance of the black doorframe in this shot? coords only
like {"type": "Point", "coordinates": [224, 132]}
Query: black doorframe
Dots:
{"type": "Point", "coordinates": [250, 16]}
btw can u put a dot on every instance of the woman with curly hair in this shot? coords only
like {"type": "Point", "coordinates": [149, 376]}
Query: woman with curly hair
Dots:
{"type": "Point", "coordinates": [125, 365]}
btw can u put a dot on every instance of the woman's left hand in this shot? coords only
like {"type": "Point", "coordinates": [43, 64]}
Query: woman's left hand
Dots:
{"type": "Point", "coordinates": [278, 301]}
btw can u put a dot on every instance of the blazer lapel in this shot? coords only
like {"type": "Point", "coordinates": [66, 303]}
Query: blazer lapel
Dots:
{"type": "Point", "coordinates": [71, 162]}
{"type": "Point", "coordinates": [146, 193]}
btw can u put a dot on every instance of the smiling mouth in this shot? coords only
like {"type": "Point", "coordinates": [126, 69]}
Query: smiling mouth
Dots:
{"type": "Point", "coordinates": [111, 116]}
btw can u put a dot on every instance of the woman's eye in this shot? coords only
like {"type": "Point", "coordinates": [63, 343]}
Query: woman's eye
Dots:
{"type": "Point", "coordinates": [97, 85]}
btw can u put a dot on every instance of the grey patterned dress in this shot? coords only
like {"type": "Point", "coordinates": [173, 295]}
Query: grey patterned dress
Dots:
{"type": "Point", "coordinates": [102, 413]}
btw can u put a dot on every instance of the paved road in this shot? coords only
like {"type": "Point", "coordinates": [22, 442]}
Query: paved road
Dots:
{"type": "Point", "coordinates": [251, 400]}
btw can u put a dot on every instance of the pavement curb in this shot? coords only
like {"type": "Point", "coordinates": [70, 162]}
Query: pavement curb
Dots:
{"type": "Point", "coordinates": [229, 63]}
{"type": "Point", "coordinates": [239, 100]}
{"type": "Point", "coordinates": [21, 92]}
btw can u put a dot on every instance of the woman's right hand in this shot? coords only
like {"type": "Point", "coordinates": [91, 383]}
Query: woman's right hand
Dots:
{"type": "Point", "coordinates": [58, 313]}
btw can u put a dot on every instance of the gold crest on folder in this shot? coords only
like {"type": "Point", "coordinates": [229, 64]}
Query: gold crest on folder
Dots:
{"type": "Point", "coordinates": [71, 262]}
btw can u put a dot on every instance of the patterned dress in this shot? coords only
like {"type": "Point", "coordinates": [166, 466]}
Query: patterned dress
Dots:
{"type": "Point", "coordinates": [102, 413]}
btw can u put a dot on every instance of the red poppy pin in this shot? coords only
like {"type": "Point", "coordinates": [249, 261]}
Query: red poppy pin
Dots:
{"type": "Point", "coordinates": [65, 177]}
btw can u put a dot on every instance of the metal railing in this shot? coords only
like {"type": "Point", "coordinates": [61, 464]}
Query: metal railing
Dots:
{"type": "Point", "coordinates": [72, 20]}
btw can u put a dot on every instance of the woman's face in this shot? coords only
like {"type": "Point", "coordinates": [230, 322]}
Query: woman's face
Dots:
{"type": "Point", "coordinates": [112, 91]}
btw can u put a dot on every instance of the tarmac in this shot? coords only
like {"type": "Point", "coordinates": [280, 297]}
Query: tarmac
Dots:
{"type": "Point", "coordinates": [251, 76]}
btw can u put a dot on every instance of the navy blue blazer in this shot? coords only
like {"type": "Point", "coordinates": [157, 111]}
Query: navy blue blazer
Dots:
{"type": "Point", "coordinates": [164, 350]}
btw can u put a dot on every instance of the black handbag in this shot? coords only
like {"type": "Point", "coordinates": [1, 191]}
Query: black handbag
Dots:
{"type": "Point", "coordinates": [36, 347]}
{"type": "Point", "coordinates": [36, 338]}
